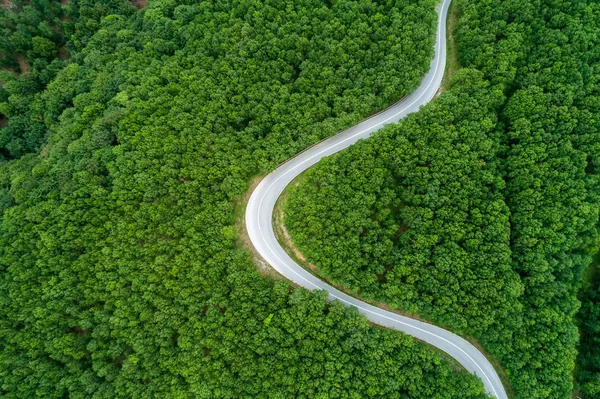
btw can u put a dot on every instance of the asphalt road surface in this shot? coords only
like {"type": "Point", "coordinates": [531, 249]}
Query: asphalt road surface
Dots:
{"type": "Point", "coordinates": [259, 222]}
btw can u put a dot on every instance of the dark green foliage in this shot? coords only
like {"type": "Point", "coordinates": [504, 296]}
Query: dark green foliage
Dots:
{"type": "Point", "coordinates": [588, 381]}
{"type": "Point", "coordinates": [29, 31]}
{"type": "Point", "coordinates": [493, 238]}
{"type": "Point", "coordinates": [32, 33]}
{"type": "Point", "coordinates": [120, 274]}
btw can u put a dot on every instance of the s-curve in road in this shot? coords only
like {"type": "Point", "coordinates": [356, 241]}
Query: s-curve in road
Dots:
{"type": "Point", "coordinates": [259, 222]}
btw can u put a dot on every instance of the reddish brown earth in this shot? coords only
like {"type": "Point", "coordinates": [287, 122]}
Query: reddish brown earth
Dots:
{"type": "Point", "coordinates": [23, 64]}
{"type": "Point", "coordinates": [139, 4]}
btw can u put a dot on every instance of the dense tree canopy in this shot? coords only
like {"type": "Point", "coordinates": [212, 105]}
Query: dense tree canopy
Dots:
{"type": "Point", "coordinates": [480, 212]}
{"type": "Point", "coordinates": [416, 217]}
{"type": "Point", "coordinates": [589, 347]}
{"type": "Point", "coordinates": [34, 40]}
{"type": "Point", "coordinates": [120, 273]}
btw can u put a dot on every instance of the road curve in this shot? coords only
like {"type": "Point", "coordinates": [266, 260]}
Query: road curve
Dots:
{"type": "Point", "coordinates": [259, 222]}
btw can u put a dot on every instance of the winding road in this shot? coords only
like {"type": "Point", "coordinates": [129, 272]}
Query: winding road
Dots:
{"type": "Point", "coordinates": [259, 222]}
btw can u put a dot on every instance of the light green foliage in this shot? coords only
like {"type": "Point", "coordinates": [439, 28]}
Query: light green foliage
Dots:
{"type": "Point", "coordinates": [44, 47]}
{"type": "Point", "coordinates": [119, 270]}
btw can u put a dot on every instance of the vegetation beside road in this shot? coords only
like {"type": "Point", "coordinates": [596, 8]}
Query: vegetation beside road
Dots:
{"type": "Point", "coordinates": [119, 270]}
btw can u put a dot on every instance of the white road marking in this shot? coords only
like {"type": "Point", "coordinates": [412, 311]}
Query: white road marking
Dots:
{"type": "Point", "coordinates": [263, 243]}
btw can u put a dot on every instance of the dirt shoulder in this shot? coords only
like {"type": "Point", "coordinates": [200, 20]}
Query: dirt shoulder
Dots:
{"type": "Point", "coordinates": [285, 240]}
{"type": "Point", "coordinates": [452, 61]}
{"type": "Point", "coordinates": [243, 240]}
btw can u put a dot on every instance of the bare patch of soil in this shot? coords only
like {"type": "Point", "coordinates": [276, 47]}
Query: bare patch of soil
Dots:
{"type": "Point", "coordinates": [139, 4]}
{"type": "Point", "coordinates": [7, 4]}
{"type": "Point", "coordinates": [63, 53]}
{"type": "Point", "coordinates": [23, 64]}
{"type": "Point", "coordinates": [289, 243]}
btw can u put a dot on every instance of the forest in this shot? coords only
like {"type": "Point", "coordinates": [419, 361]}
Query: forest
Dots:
{"type": "Point", "coordinates": [37, 38]}
{"type": "Point", "coordinates": [588, 375]}
{"type": "Point", "coordinates": [480, 212]}
{"type": "Point", "coordinates": [128, 138]}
